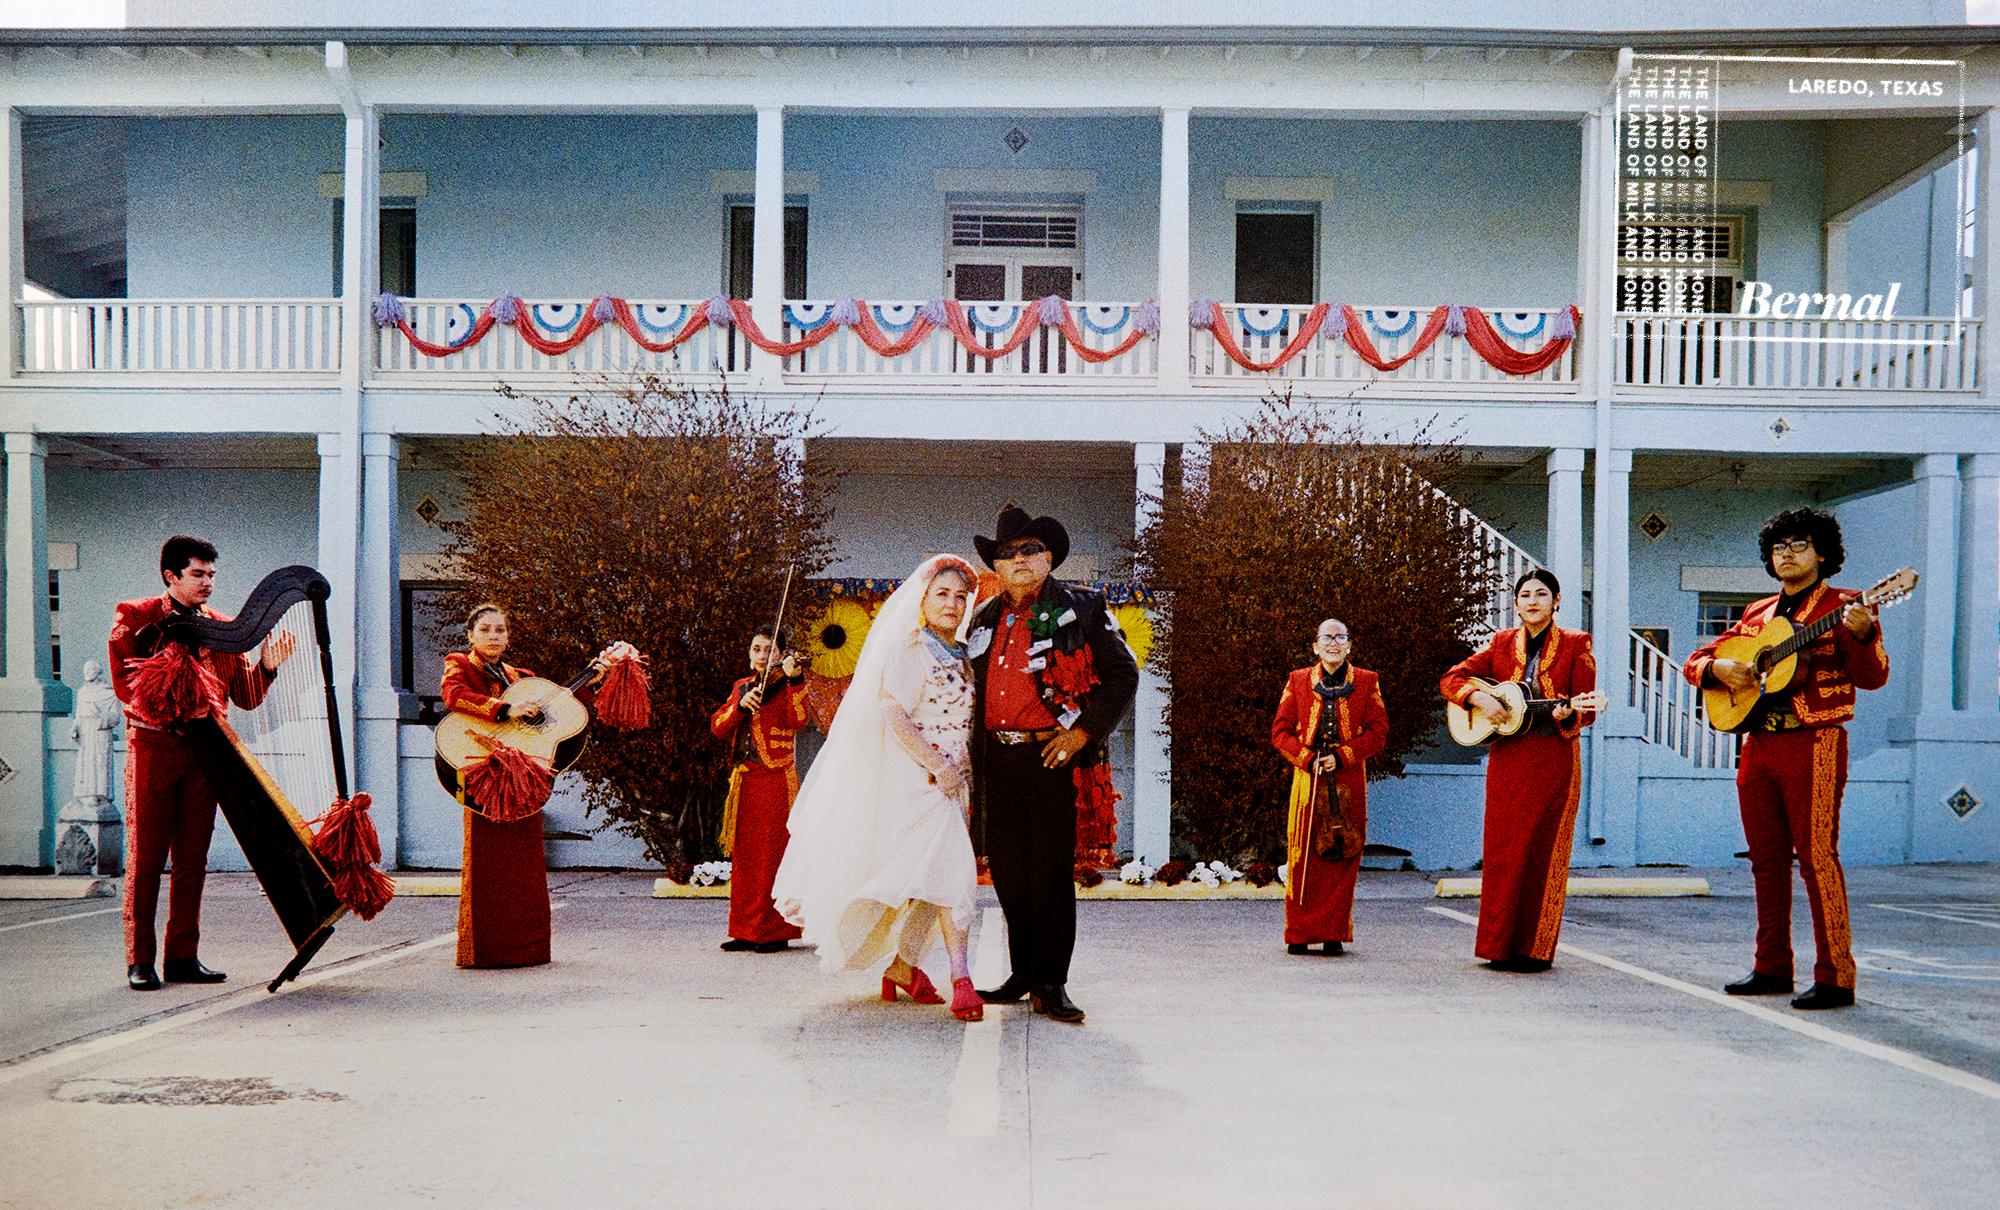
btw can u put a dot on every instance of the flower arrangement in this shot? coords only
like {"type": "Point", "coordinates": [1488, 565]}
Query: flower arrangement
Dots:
{"type": "Point", "coordinates": [1212, 874]}
{"type": "Point", "coordinates": [1135, 873]}
{"type": "Point", "coordinates": [1262, 873]}
{"type": "Point", "coordinates": [1173, 873]}
{"type": "Point", "coordinates": [1087, 874]}
{"type": "Point", "coordinates": [710, 873]}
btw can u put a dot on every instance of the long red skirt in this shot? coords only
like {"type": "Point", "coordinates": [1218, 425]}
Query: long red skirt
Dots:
{"type": "Point", "coordinates": [763, 805]}
{"type": "Point", "coordinates": [503, 894]}
{"type": "Point", "coordinates": [1319, 894]}
{"type": "Point", "coordinates": [1531, 792]}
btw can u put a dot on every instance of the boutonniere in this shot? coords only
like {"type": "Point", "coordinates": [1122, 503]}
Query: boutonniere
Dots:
{"type": "Point", "coordinates": [1043, 622]}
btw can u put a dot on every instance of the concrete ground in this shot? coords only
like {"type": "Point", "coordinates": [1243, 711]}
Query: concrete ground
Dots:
{"type": "Point", "coordinates": [644, 1067]}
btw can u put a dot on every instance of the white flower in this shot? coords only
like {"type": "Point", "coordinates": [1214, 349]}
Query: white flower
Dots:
{"type": "Point", "coordinates": [1205, 876]}
{"type": "Point", "coordinates": [1135, 872]}
{"type": "Point", "coordinates": [1283, 871]}
{"type": "Point", "coordinates": [709, 873]}
{"type": "Point", "coordinates": [1224, 872]}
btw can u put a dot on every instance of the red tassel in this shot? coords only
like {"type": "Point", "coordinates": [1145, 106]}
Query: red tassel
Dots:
{"type": "Point", "coordinates": [346, 841]}
{"type": "Point", "coordinates": [509, 784]}
{"type": "Point", "coordinates": [1096, 808]}
{"type": "Point", "coordinates": [624, 701]}
{"type": "Point", "coordinates": [172, 686]}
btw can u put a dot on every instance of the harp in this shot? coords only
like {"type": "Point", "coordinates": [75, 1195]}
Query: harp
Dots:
{"type": "Point", "coordinates": [260, 762]}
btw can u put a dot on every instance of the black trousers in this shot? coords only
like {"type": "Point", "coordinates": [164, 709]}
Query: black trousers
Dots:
{"type": "Point", "coordinates": [1031, 853]}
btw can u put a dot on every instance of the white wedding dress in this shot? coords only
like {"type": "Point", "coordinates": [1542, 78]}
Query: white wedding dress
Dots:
{"type": "Point", "coordinates": [877, 850]}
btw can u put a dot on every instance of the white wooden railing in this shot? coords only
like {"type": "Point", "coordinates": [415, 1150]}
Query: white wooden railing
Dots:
{"type": "Point", "coordinates": [238, 335]}
{"type": "Point", "coordinates": [608, 350]}
{"type": "Point", "coordinates": [1046, 354]}
{"type": "Point", "coordinates": [1671, 709]}
{"type": "Point", "coordinates": [1263, 333]}
{"type": "Point", "coordinates": [1730, 352]}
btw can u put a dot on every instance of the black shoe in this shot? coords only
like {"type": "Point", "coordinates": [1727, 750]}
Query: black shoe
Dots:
{"type": "Point", "coordinates": [1825, 995]}
{"type": "Point", "coordinates": [1335, 948]}
{"type": "Point", "coordinates": [771, 947]}
{"type": "Point", "coordinates": [1520, 964]}
{"type": "Point", "coordinates": [1013, 989]}
{"type": "Point", "coordinates": [1297, 947]}
{"type": "Point", "coordinates": [1051, 999]}
{"type": "Point", "coordinates": [1759, 984]}
{"type": "Point", "coordinates": [140, 977]}
{"type": "Point", "coordinates": [737, 945]}
{"type": "Point", "coordinates": [190, 970]}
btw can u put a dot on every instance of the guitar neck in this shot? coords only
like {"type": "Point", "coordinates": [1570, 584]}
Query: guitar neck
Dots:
{"type": "Point", "coordinates": [1804, 635]}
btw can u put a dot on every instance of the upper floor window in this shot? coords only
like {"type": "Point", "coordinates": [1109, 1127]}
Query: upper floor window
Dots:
{"type": "Point", "coordinates": [1277, 256]}
{"type": "Point", "coordinates": [743, 251]}
{"type": "Point", "coordinates": [397, 246]}
{"type": "Point", "coordinates": [1680, 265]}
{"type": "Point", "coordinates": [996, 252]}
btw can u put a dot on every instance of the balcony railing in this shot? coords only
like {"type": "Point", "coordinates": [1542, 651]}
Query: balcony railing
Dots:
{"type": "Point", "coordinates": [238, 335]}
{"type": "Point", "coordinates": [1671, 710]}
{"type": "Point", "coordinates": [1733, 353]}
{"type": "Point", "coordinates": [608, 350]}
{"type": "Point", "coordinates": [1262, 333]}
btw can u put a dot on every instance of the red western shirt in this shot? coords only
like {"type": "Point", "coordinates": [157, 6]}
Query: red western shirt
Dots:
{"type": "Point", "coordinates": [1013, 692]}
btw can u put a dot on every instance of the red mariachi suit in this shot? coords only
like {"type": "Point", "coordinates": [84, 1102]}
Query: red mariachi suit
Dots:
{"type": "Point", "coordinates": [1532, 780]}
{"type": "Point", "coordinates": [1789, 782]}
{"type": "Point", "coordinates": [1319, 894]}
{"type": "Point", "coordinates": [169, 807]}
{"type": "Point", "coordinates": [762, 789]}
{"type": "Point", "coordinates": [503, 884]}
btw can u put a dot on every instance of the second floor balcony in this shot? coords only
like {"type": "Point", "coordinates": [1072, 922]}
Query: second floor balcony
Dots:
{"type": "Point", "coordinates": [1400, 349]}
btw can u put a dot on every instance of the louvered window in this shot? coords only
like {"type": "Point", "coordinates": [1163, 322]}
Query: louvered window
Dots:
{"type": "Point", "coordinates": [1003, 230]}
{"type": "Point", "coordinates": [1686, 265]}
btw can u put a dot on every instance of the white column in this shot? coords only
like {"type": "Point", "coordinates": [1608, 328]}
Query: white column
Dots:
{"type": "Point", "coordinates": [767, 235]}
{"type": "Point", "coordinates": [1597, 250]}
{"type": "Point", "coordinates": [1985, 266]}
{"type": "Point", "coordinates": [1938, 506]}
{"type": "Point", "coordinates": [339, 560]}
{"type": "Point", "coordinates": [1173, 292]}
{"type": "Point", "coordinates": [1563, 552]}
{"type": "Point", "coordinates": [361, 223]}
{"type": "Point", "coordinates": [1836, 257]}
{"type": "Point", "coordinates": [28, 692]}
{"type": "Point", "coordinates": [1609, 831]}
{"type": "Point", "coordinates": [1979, 587]}
{"type": "Point", "coordinates": [378, 709]}
{"type": "Point", "coordinates": [1152, 765]}
{"type": "Point", "coordinates": [11, 334]}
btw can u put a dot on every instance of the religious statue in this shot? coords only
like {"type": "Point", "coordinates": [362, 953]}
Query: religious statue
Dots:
{"type": "Point", "coordinates": [92, 839]}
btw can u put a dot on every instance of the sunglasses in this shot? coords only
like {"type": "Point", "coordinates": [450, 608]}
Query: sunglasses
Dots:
{"type": "Point", "coordinates": [1020, 550]}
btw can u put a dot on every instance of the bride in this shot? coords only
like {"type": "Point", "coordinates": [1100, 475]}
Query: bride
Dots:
{"type": "Point", "coordinates": [880, 861]}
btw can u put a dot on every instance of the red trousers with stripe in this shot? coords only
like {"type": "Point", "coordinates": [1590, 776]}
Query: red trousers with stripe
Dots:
{"type": "Point", "coordinates": [169, 812]}
{"type": "Point", "coordinates": [1788, 787]}
{"type": "Point", "coordinates": [763, 806]}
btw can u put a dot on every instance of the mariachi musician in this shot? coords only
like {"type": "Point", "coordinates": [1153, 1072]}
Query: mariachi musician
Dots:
{"type": "Point", "coordinates": [760, 721]}
{"type": "Point", "coordinates": [1532, 777]}
{"type": "Point", "coordinates": [169, 803]}
{"type": "Point", "coordinates": [503, 899]}
{"type": "Point", "coordinates": [1329, 722]}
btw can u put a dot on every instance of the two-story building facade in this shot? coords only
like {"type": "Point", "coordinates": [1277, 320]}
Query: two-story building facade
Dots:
{"type": "Point", "coordinates": [205, 215]}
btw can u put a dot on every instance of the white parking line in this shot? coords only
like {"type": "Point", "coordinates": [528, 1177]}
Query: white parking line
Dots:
{"type": "Point", "coordinates": [28, 924]}
{"type": "Point", "coordinates": [255, 992]}
{"type": "Point", "coordinates": [1811, 1029]}
{"type": "Point", "coordinates": [975, 1089]}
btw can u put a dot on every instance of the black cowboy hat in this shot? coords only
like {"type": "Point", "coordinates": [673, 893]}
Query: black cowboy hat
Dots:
{"type": "Point", "coordinates": [1013, 523]}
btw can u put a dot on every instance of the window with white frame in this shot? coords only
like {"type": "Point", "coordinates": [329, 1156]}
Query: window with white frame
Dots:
{"type": "Point", "coordinates": [1681, 265]}
{"type": "Point", "coordinates": [999, 252]}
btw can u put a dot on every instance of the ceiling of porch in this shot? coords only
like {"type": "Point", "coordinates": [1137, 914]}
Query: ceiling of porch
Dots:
{"type": "Point", "coordinates": [1817, 477]}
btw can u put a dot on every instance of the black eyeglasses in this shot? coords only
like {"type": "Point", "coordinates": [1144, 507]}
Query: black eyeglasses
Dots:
{"type": "Point", "coordinates": [1797, 546]}
{"type": "Point", "coordinates": [1019, 550]}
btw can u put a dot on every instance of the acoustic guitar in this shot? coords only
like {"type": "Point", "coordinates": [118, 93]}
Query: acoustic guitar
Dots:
{"type": "Point", "coordinates": [1773, 650]}
{"type": "Point", "coordinates": [1470, 727]}
{"type": "Point", "coordinates": [463, 740]}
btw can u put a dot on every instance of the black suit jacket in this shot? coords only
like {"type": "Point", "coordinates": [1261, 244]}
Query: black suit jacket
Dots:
{"type": "Point", "coordinates": [1102, 708]}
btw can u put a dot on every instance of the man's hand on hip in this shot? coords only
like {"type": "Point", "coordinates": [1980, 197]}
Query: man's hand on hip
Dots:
{"type": "Point", "coordinates": [1067, 743]}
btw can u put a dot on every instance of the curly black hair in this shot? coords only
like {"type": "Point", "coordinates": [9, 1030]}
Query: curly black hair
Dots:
{"type": "Point", "coordinates": [1820, 527]}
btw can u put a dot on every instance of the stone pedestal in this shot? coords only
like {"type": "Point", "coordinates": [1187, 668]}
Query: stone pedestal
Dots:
{"type": "Point", "coordinates": [90, 838]}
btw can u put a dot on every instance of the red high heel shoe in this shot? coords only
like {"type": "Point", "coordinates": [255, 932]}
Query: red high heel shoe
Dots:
{"type": "Point", "coordinates": [920, 988]}
{"type": "Point", "coordinates": [965, 1002]}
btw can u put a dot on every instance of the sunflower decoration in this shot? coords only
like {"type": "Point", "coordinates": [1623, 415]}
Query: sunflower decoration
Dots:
{"type": "Point", "coordinates": [1138, 628]}
{"type": "Point", "coordinates": [835, 637]}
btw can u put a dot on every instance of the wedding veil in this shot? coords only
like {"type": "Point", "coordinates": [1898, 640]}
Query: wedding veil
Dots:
{"type": "Point", "coordinates": [833, 820]}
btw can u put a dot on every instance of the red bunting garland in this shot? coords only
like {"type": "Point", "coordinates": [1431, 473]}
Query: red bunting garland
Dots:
{"type": "Point", "coordinates": [1479, 334]}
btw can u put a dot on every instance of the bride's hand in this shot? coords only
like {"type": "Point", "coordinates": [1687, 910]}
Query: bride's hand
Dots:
{"type": "Point", "coordinates": [950, 780]}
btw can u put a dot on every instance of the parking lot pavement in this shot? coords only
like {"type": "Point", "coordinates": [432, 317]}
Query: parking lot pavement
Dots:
{"type": "Point", "coordinates": [644, 1066]}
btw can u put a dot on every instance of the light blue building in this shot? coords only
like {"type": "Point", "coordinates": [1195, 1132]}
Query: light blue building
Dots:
{"type": "Point", "coordinates": [203, 204]}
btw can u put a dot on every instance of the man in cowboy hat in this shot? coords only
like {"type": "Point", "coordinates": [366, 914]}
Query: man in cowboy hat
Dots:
{"type": "Point", "coordinates": [1051, 678]}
